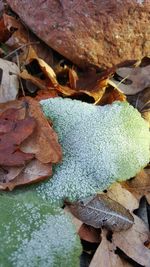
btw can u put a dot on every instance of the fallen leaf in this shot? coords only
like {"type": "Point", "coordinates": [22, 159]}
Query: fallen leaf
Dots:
{"type": "Point", "coordinates": [9, 85]}
{"type": "Point", "coordinates": [33, 172]}
{"type": "Point", "coordinates": [100, 210]}
{"type": "Point", "coordinates": [19, 120]}
{"type": "Point", "coordinates": [140, 185]}
{"type": "Point", "coordinates": [7, 174]}
{"type": "Point", "coordinates": [10, 155]}
{"type": "Point", "coordinates": [105, 255]}
{"type": "Point", "coordinates": [93, 86]}
{"type": "Point", "coordinates": [44, 142]}
{"type": "Point", "coordinates": [138, 79]}
{"type": "Point", "coordinates": [123, 196]}
{"type": "Point", "coordinates": [131, 242]}
{"type": "Point", "coordinates": [89, 233]}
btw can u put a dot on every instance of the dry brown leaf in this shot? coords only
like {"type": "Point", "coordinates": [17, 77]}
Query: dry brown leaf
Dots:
{"type": "Point", "coordinates": [123, 196]}
{"type": "Point", "coordinates": [95, 84]}
{"type": "Point", "coordinates": [33, 172]}
{"type": "Point", "coordinates": [131, 242]}
{"type": "Point", "coordinates": [9, 85]}
{"type": "Point", "coordinates": [7, 174]}
{"type": "Point", "coordinates": [89, 233]}
{"type": "Point", "coordinates": [100, 210]}
{"type": "Point", "coordinates": [92, 85]}
{"type": "Point", "coordinates": [105, 255]}
{"type": "Point", "coordinates": [44, 142]}
{"type": "Point", "coordinates": [18, 120]}
{"type": "Point", "coordinates": [140, 185]}
{"type": "Point", "coordinates": [139, 77]}
{"type": "Point", "coordinates": [10, 154]}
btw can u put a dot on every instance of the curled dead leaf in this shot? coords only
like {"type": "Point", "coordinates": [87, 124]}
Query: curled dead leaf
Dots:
{"type": "Point", "coordinates": [91, 84]}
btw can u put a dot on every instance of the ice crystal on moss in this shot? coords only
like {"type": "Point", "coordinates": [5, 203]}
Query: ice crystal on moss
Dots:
{"type": "Point", "coordinates": [101, 145]}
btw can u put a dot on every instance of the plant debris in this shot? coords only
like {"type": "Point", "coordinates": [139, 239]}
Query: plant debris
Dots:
{"type": "Point", "coordinates": [102, 211]}
{"type": "Point", "coordinates": [28, 144]}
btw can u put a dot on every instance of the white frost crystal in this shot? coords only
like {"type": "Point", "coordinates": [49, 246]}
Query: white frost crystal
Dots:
{"type": "Point", "coordinates": [101, 145]}
{"type": "Point", "coordinates": [33, 234]}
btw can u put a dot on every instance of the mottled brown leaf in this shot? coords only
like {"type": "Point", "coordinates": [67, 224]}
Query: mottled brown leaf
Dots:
{"type": "Point", "coordinates": [44, 141]}
{"type": "Point", "coordinates": [140, 185]}
{"type": "Point", "coordinates": [123, 196]}
{"type": "Point", "coordinates": [105, 255]}
{"type": "Point", "coordinates": [7, 174]}
{"type": "Point", "coordinates": [33, 172]}
{"type": "Point", "coordinates": [10, 154]}
{"type": "Point", "coordinates": [131, 242]}
{"type": "Point", "coordinates": [101, 211]}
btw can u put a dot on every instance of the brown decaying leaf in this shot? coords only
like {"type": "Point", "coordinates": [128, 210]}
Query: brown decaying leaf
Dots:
{"type": "Point", "coordinates": [7, 174]}
{"type": "Point", "coordinates": [92, 84]}
{"type": "Point", "coordinates": [105, 255]}
{"type": "Point", "coordinates": [9, 85]}
{"type": "Point", "coordinates": [89, 233]}
{"type": "Point", "coordinates": [18, 121]}
{"type": "Point", "coordinates": [33, 172]}
{"type": "Point", "coordinates": [131, 242]}
{"type": "Point", "coordinates": [44, 142]}
{"type": "Point", "coordinates": [123, 196]}
{"type": "Point", "coordinates": [139, 77]}
{"type": "Point", "coordinates": [10, 155]}
{"type": "Point", "coordinates": [140, 185]}
{"type": "Point", "coordinates": [100, 210]}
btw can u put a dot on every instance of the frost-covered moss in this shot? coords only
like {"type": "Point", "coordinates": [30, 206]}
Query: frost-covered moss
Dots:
{"type": "Point", "coordinates": [100, 145]}
{"type": "Point", "coordinates": [32, 234]}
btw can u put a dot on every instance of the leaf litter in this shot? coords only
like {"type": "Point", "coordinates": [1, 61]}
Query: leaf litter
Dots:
{"type": "Point", "coordinates": [103, 90]}
{"type": "Point", "coordinates": [23, 121]}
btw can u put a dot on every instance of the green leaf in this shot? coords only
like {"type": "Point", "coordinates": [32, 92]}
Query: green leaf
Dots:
{"type": "Point", "coordinates": [34, 234]}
